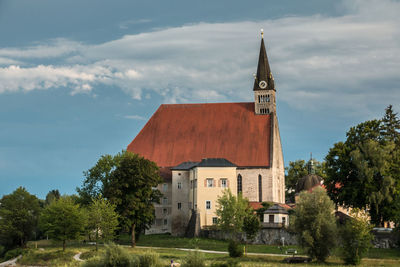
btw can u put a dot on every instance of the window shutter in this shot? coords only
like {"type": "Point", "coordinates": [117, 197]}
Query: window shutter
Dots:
{"type": "Point", "coordinates": [219, 182]}
{"type": "Point", "coordinates": [213, 180]}
{"type": "Point", "coordinates": [227, 183]}
{"type": "Point", "coordinates": [205, 182]}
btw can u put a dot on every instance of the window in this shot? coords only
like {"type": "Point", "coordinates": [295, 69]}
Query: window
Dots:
{"type": "Point", "coordinates": [195, 183]}
{"type": "Point", "coordinates": [283, 220]}
{"type": "Point", "coordinates": [224, 183]}
{"type": "Point", "coordinates": [165, 201]}
{"type": "Point", "coordinates": [271, 219]}
{"type": "Point", "coordinates": [191, 184]}
{"type": "Point", "coordinates": [179, 185]}
{"type": "Point", "coordinates": [214, 220]}
{"type": "Point", "coordinates": [164, 211]}
{"type": "Point", "coordinates": [179, 205]}
{"type": "Point", "coordinates": [239, 184]}
{"type": "Point", "coordinates": [259, 188]}
{"type": "Point", "coordinates": [209, 182]}
{"type": "Point", "coordinates": [165, 221]}
{"type": "Point", "coordinates": [165, 187]}
{"type": "Point", "coordinates": [208, 204]}
{"type": "Point", "coordinates": [267, 98]}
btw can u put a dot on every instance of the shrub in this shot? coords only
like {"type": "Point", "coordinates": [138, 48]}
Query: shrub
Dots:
{"type": "Point", "coordinates": [2, 251]}
{"type": "Point", "coordinates": [13, 253]}
{"type": "Point", "coordinates": [229, 263]}
{"type": "Point", "coordinates": [194, 259]}
{"type": "Point", "coordinates": [356, 239]}
{"type": "Point", "coordinates": [115, 256]}
{"type": "Point", "coordinates": [235, 249]}
{"type": "Point", "coordinates": [149, 259]}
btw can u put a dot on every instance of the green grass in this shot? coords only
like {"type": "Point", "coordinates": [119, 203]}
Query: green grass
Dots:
{"type": "Point", "coordinates": [49, 257]}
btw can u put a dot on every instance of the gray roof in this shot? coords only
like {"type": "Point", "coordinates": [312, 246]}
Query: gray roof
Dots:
{"type": "Point", "coordinates": [215, 162]}
{"type": "Point", "coordinates": [187, 165]}
{"type": "Point", "coordinates": [276, 209]}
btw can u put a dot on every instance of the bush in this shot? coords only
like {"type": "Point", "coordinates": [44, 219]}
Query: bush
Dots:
{"type": "Point", "coordinates": [229, 263]}
{"type": "Point", "coordinates": [149, 259]}
{"type": "Point", "coordinates": [194, 259]}
{"type": "Point", "coordinates": [356, 239]}
{"type": "Point", "coordinates": [11, 254]}
{"type": "Point", "coordinates": [235, 249]}
{"type": "Point", "coordinates": [115, 256]}
{"type": "Point", "coordinates": [2, 251]}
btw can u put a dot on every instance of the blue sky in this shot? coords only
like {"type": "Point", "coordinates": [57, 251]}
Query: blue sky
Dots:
{"type": "Point", "coordinates": [79, 79]}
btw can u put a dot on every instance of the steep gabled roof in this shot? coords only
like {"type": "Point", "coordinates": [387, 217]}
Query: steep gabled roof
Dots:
{"type": "Point", "coordinates": [263, 71]}
{"type": "Point", "coordinates": [190, 132]}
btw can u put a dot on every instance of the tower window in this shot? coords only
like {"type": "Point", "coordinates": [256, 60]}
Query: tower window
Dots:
{"type": "Point", "coordinates": [267, 98]}
{"type": "Point", "coordinates": [179, 205]}
{"type": "Point", "coordinates": [239, 184]}
{"type": "Point", "coordinates": [179, 185]}
{"type": "Point", "coordinates": [259, 188]}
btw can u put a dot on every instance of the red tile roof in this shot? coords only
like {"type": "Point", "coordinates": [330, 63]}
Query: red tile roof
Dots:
{"type": "Point", "coordinates": [189, 132]}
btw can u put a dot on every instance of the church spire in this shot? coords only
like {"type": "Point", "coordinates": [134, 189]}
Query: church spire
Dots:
{"type": "Point", "coordinates": [263, 79]}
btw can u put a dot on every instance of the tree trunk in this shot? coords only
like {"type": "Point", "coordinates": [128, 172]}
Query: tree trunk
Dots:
{"type": "Point", "coordinates": [133, 236]}
{"type": "Point", "coordinates": [97, 238]}
{"type": "Point", "coordinates": [63, 245]}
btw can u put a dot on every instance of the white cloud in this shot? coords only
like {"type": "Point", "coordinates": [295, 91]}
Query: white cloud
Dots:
{"type": "Point", "coordinates": [134, 117]}
{"type": "Point", "coordinates": [331, 63]}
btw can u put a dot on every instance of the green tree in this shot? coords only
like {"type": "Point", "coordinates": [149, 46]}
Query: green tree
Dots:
{"type": "Point", "coordinates": [251, 226]}
{"type": "Point", "coordinates": [130, 188]}
{"type": "Point", "coordinates": [315, 223]}
{"type": "Point", "coordinates": [102, 219]}
{"type": "Point", "coordinates": [52, 195]}
{"type": "Point", "coordinates": [232, 211]}
{"type": "Point", "coordinates": [19, 214]}
{"type": "Point", "coordinates": [364, 171]}
{"type": "Point", "coordinates": [63, 220]}
{"type": "Point", "coordinates": [356, 237]}
{"type": "Point", "coordinates": [296, 170]}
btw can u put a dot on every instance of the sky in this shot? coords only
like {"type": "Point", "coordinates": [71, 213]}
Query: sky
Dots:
{"type": "Point", "coordinates": [79, 79]}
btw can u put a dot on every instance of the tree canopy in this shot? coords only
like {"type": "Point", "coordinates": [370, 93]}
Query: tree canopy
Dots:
{"type": "Point", "coordinates": [19, 214]}
{"type": "Point", "coordinates": [364, 171]}
{"type": "Point", "coordinates": [63, 220]}
{"type": "Point", "coordinates": [315, 223]}
{"type": "Point", "coordinates": [128, 181]}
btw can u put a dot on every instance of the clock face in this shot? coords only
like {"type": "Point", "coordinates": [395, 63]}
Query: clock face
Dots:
{"type": "Point", "coordinates": [263, 84]}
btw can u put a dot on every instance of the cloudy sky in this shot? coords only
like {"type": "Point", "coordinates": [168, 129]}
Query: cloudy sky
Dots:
{"type": "Point", "coordinates": [79, 79]}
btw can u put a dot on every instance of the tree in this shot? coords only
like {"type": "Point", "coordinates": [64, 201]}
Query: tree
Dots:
{"type": "Point", "coordinates": [19, 214]}
{"type": "Point", "coordinates": [232, 211]}
{"type": "Point", "coordinates": [130, 187]}
{"type": "Point", "coordinates": [296, 170]}
{"type": "Point", "coordinates": [102, 219]}
{"type": "Point", "coordinates": [52, 195]}
{"type": "Point", "coordinates": [63, 220]}
{"type": "Point", "coordinates": [315, 223]}
{"type": "Point", "coordinates": [127, 181]}
{"type": "Point", "coordinates": [251, 226]}
{"type": "Point", "coordinates": [356, 237]}
{"type": "Point", "coordinates": [364, 171]}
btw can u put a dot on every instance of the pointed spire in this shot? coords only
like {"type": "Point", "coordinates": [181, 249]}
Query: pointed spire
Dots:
{"type": "Point", "coordinates": [311, 169]}
{"type": "Point", "coordinates": [263, 70]}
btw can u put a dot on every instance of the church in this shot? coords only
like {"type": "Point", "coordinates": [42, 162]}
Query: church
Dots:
{"type": "Point", "coordinates": [204, 149]}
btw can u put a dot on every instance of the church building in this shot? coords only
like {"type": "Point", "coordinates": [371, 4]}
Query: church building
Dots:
{"type": "Point", "coordinates": [204, 149]}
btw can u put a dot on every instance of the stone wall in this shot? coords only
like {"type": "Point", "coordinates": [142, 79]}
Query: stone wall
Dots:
{"type": "Point", "coordinates": [268, 236]}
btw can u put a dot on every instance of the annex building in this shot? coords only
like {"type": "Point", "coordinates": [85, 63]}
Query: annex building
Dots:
{"type": "Point", "coordinates": [203, 149]}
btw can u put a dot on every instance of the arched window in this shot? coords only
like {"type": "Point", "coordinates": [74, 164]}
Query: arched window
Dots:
{"type": "Point", "coordinates": [239, 184]}
{"type": "Point", "coordinates": [259, 188]}
{"type": "Point", "coordinates": [267, 111]}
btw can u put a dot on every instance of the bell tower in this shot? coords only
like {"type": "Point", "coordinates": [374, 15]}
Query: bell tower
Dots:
{"type": "Point", "coordinates": [264, 87]}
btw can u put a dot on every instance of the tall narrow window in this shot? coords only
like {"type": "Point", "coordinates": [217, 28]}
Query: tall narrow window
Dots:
{"type": "Point", "coordinates": [208, 204]}
{"type": "Point", "coordinates": [259, 188]}
{"type": "Point", "coordinates": [239, 184]}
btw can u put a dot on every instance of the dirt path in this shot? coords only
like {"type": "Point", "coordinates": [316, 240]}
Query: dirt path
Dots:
{"type": "Point", "coordinates": [10, 263]}
{"type": "Point", "coordinates": [77, 257]}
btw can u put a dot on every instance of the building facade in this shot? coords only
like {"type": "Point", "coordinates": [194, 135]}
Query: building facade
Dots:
{"type": "Point", "coordinates": [204, 149]}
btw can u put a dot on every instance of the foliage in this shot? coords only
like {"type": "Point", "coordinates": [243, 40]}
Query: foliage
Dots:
{"type": "Point", "coordinates": [51, 257]}
{"type": "Point", "coordinates": [229, 263]}
{"type": "Point", "coordinates": [251, 226]}
{"type": "Point", "coordinates": [52, 195]}
{"type": "Point", "coordinates": [63, 220]}
{"type": "Point", "coordinates": [19, 214]}
{"type": "Point", "coordinates": [127, 181]}
{"type": "Point", "coordinates": [364, 171]}
{"type": "Point", "coordinates": [149, 259]}
{"type": "Point", "coordinates": [13, 253]}
{"type": "Point", "coordinates": [356, 238]}
{"type": "Point", "coordinates": [102, 219]}
{"type": "Point", "coordinates": [235, 249]}
{"type": "Point", "coordinates": [194, 259]}
{"type": "Point", "coordinates": [315, 223]}
{"type": "Point", "coordinates": [232, 211]}
{"type": "Point", "coordinates": [296, 170]}
{"type": "Point", "coordinates": [114, 256]}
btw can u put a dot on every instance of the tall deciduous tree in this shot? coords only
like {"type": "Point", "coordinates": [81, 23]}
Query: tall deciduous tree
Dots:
{"type": "Point", "coordinates": [52, 195]}
{"type": "Point", "coordinates": [63, 220]}
{"type": "Point", "coordinates": [364, 171]}
{"type": "Point", "coordinates": [102, 219]}
{"type": "Point", "coordinates": [19, 214]}
{"type": "Point", "coordinates": [315, 223]}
